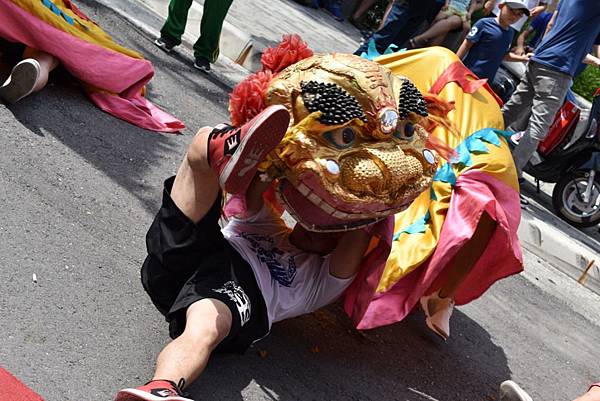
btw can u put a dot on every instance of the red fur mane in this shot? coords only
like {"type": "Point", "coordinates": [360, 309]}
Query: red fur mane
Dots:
{"type": "Point", "coordinates": [248, 97]}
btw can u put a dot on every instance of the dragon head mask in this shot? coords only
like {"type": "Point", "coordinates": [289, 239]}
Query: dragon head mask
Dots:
{"type": "Point", "coordinates": [355, 149]}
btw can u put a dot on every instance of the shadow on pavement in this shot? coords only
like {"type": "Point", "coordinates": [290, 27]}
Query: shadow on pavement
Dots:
{"type": "Point", "coordinates": [321, 357]}
{"type": "Point", "coordinates": [120, 150]}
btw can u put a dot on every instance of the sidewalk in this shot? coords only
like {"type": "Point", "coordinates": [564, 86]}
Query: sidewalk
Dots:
{"type": "Point", "coordinates": [250, 26]}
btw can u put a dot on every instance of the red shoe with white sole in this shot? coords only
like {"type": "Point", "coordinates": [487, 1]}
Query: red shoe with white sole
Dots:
{"type": "Point", "coordinates": [155, 390]}
{"type": "Point", "coordinates": [234, 153]}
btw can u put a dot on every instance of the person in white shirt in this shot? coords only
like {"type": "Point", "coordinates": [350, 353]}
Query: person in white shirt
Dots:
{"type": "Point", "coordinates": [221, 289]}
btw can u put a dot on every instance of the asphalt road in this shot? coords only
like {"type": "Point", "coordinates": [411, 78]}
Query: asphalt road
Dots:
{"type": "Point", "coordinates": [79, 191]}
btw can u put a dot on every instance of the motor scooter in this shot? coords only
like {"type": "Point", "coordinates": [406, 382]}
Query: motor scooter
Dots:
{"type": "Point", "coordinates": [569, 156]}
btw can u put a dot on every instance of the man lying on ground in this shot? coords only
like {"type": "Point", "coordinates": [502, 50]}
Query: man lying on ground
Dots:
{"type": "Point", "coordinates": [221, 289]}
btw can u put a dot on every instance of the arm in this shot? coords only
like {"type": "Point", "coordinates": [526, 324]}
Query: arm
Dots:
{"type": "Point", "coordinates": [520, 50]}
{"type": "Point", "coordinates": [475, 5]}
{"type": "Point", "coordinates": [467, 20]}
{"type": "Point", "coordinates": [313, 242]}
{"type": "Point", "coordinates": [348, 254]}
{"type": "Point", "coordinates": [464, 49]}
{"type": "Point", "coordinates": [593, 58]}
{"type": "Point", "coordinates": [511, 56]}
{"type": "Point", "coordinates": [551, 22]}
{"type": "Point", "coordinates": [346, 248]}
{"type": "Point", "coordinates": [535, 11]}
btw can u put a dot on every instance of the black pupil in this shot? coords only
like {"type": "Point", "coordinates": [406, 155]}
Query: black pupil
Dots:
{"type": "Point", "coordinates": [347, 135]}
{"type": "Point", "coordinates": [409, 130]}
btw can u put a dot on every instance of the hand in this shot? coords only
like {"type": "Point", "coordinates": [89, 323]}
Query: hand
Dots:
{"type": "Point", "coordinates": [535, 11]}
{"type": "Point", "coordinates": [526, 57]}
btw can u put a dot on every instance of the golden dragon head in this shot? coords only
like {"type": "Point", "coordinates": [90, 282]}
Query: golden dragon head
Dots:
{"type": "Point", "coordinates": [355, 150]}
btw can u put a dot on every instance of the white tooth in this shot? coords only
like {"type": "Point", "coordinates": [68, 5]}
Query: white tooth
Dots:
{"type": "Point", "coordinates": [303, 189]}
{"type": "Point", "coordinates": [314, 198]}
{"type": "Point", "coordinates": [327, 208]}
{"type": "Point", "coordinates": [340, 215]}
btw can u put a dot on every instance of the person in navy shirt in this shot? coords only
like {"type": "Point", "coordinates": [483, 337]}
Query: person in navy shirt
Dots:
{"type": "Point", "coordinates": [489, 41]}
{"type": "Point", "coordinates": [575, 28]}
{"type": "Point", "coordinates": [535, 31]}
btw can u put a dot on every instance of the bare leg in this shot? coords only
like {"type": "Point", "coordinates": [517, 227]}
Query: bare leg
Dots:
{"type": "Point", "coordinates": [438, 306]}
{"type": "Point", "coordinates": [208, 322]}
{"type": "Point", "coordinates": [196, 185]}
{"type": "Point", "coordinates": [441, 27]}
{"type": "Point", "coordinates": [47, 63]}
{"type": "Point", "coordinates": [464, 261]}
{"type": "Point", "coordinates": [362, 8]}
{"type": "Point", "coordinates": [29, 75]}
{"type": "Point", "coordinates": [385, 14]}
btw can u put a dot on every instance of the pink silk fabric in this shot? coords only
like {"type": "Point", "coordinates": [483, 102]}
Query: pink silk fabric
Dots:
{"type": "Point", "coordinates": [474, 193]}
{"type": "Point", "coordinates": [118, 77]}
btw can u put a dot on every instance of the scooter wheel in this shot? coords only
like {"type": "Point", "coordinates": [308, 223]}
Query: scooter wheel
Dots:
{"type": "Point", "coordinates": [569, 202]}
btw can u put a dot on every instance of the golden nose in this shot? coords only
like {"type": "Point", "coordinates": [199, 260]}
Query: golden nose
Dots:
{"type": "Point", "coordinates": [376, 172]}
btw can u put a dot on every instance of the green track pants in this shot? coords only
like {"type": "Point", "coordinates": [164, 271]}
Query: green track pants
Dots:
{"type": "Point", "coordinates": [214, 13]}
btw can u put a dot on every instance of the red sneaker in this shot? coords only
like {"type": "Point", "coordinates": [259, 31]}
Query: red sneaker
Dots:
{"type": "Point", "coordinates": [154, 390]}
{"type": "Point", "coordinates": [234, 153]}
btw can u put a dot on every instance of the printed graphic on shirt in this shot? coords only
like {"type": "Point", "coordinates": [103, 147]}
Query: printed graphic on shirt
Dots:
{"type": "Point", "coordinates": [239, 297]}
{"type": "Point", "coordinates": [282, 269]}
{"type": "Point", "coordinates": [473, 33]}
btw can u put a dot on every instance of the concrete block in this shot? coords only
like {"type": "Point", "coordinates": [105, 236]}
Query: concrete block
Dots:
{"type": "Point", "coordinates": [235, 44]}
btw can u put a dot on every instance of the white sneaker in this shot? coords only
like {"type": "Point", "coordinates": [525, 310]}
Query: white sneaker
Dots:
{"type": "Point", "coordinates": [510, 391]}
{"type": "Point", "coordinates": [21, 81]}
{"type": "Point", "coordinates": [438, 321]}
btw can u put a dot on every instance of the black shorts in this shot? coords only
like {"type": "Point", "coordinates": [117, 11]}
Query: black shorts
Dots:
{"type": "Point", "coordinates": [188, 262]}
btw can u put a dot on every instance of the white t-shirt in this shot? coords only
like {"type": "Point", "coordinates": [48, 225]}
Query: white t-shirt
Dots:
{"type": "Point", "coordinates": [519, 24]}
{"type": "Point", "coordinates": [293, 282]}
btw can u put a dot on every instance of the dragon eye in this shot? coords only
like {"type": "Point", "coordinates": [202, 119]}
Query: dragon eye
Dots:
{"type": "Point", "coordinates": [405, 131]}
{"type": "Point", "coordinates": [341, 138]}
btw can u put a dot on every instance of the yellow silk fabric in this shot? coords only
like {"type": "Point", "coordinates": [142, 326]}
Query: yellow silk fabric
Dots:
{"type": "Point", "coordinates": [472, 112]}
{"type": "Point", "coordinates": [82, 29]}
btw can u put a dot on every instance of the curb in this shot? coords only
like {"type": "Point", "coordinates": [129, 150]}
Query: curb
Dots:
{"type": "Point", "coordinates": [147, 20]}
{"type": "Point", "coordinates": [553, 240]}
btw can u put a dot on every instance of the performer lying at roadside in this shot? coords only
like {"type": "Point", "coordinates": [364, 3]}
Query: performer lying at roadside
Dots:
{"type": "Point", "coordinates": [222, 289]}
{"type": "Point", "coordinates": [342, 157]}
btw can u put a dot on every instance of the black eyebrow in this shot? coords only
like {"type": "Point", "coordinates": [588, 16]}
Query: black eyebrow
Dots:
{"type": "Point", "coordinates": [336, 105]}
{"type": "Point", "coordinates": [411, 100]}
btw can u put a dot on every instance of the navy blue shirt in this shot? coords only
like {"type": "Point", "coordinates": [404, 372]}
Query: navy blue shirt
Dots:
{"type": "Point", "coordinates": [576, 29]}
{"type": "Point", "coordinates": [490, 44]}
{"type": "Point", "coordinates": [538, 26]}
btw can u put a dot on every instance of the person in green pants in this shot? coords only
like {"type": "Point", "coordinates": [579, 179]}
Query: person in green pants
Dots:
{"type": "Point", "coordinates": [206, 48]}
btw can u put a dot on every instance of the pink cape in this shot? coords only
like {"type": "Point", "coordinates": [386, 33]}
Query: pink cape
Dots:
{"type": "Point", "coordinates": [474, 193]}
{"type": "Point", "coordinates": [114, 81]}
